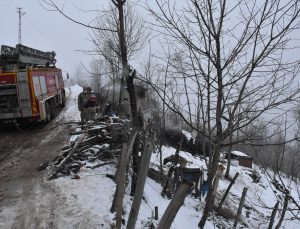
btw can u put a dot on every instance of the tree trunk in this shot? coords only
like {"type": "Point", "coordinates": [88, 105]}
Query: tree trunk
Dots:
{"type": "Point", "coordinates": [162, 139]}
{"type": "Point", "coordinates": [213, 166]}
{"type": "Point", "coordinates": [230, 147]}
{"type": "Point", "coordinates": [135, 163]}
{"type": "Point", "coordinates": [275, 209]}
{"type": "Point", "coordinates": [229, 158]}
{"type": "Point", "coordinates": [161, 161]}
{"type": "Point", "coordinates": [215, 187]}
{"type": "Point", "coordinates": [285, 205]}
{"type": "Point", "coordinates": [165, 188]}
{"type": "Point", "coordinates": [175, 180]}
{"type": "Point", "coordinates": [122, 40]}
{"type": "Point", "coordinates": [209, 199]}
{"type": "Point", "coordinates": [125, 68]}
{"type": "Point", "coordinates": [131, 92]}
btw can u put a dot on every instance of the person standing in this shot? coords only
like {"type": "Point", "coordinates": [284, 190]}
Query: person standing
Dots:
{"type": "Point", "coordinates": [81, 104]}
{"type": "Point", "coordinates": [90, 104]}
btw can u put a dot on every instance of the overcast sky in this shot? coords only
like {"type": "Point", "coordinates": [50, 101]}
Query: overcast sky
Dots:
{"type": "Point", "coordinates": [47, 31]}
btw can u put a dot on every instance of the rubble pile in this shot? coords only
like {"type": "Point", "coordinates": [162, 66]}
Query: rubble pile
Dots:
{"type": "Point", "coordinates": [96, 143]}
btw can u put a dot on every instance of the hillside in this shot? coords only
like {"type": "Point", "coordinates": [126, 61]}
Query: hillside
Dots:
{"type": "Point", "coordinates": [88, 199]}
{"type": "Point", "coordinates": [29, 200]}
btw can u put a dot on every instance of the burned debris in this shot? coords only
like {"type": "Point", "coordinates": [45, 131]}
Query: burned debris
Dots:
{"type": "Point", "coordinates": [100, 141]}
{"type": "Point", "coordinates": [172, 137]}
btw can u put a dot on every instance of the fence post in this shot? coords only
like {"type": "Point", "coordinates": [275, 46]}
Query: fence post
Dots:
{"type": "Point", "coordinates": [117, 204]}
{"type": "Point", "coordinates": [174, 206]}
{"type": "Point", "coordinates": [227, 191]}
{"type": "Point", "coordinates": [141, 179]}
{"type": "Point", "coordinates": [240, 207]}
{"type": "Point", "coordinates": [156, 213]}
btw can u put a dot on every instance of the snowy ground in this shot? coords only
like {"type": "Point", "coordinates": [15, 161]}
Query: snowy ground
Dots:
{"type": "Point", "coordinates": [93, 193]}
{"type": "Point", "coordinates": [71, 112]}
{"type": "Point", "coordinates": [85, 203]}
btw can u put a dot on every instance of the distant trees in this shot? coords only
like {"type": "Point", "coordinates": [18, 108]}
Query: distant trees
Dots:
{"type": "Point", "coordinates": [275, 152]}
{"type": "Point", "coordinates": [229, 62]}
{"type": "Point", "coordinates": [80, 76]}
{"type": "Point", "coordinates": [278, 159]}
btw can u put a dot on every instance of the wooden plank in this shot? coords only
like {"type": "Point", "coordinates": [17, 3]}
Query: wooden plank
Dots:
{"type": "Point", "coordinates": [240, 207]}
{"type": "Point", "coordinates": [227, 191]}
{"type": "Point", "coordinates": [65, 160]}
{"type": "Point", "coordinates": [117, 205]}
{"type": "Point", "coordinates": [173, 207]}
{"type": "Point", "coordinates": [157, 176]}
{"type": "Point", "coordinates": [120, 189]}
{"type": "Point", "coordinates": [141, 180]}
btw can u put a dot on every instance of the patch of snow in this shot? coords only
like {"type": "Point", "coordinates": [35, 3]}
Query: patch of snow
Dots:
{"type": "Point", "coordinates": [93, 195]}
{"type": "Point", "coordinates": [71, 112]}
{"type": "Point", "coordinates": [74, 138]}
{"type": "Point", "coordinates": [89, 198]}
{"type": "Point", "coordinates": [239, 154]}
{"type": "Point", "coordinates": [187, 134]}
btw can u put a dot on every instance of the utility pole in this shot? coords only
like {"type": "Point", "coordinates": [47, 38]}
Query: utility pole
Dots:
{"type": "Point", "coordinates": [20, 27]}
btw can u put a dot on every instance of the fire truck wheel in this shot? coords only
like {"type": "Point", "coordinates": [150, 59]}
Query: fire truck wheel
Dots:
{"type": "Point", "coordinates": [53, 109]}
{"type": "Point", "coordinates": [63, 99]}
{"type": "Point", "coordinates": [48, 112]}
{"type": "Point", "coordinates": [63, 103]}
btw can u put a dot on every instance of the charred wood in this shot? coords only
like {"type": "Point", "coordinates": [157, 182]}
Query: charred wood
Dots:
{"type": "Point", "coordinates": [66, 159]}
{"type": "Point", "coordinates": [176, 139]}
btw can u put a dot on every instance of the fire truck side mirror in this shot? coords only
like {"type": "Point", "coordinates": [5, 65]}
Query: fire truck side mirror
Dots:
{"type": "Point", "coordinates": [68, 76]}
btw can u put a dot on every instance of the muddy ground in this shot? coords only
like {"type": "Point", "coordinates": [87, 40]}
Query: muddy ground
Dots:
{"type": "Point", "coordinates": [27, 200]}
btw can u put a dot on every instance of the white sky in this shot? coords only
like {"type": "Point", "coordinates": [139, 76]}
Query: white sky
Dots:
{"type": "Point", "coordinates": [48, 30]}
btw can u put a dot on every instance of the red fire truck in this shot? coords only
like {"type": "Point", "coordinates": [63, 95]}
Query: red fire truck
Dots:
{"type": "Point", "coordinates": [31, 87]}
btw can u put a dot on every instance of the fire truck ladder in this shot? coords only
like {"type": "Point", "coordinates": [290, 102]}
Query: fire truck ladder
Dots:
{"type": "Point", "coordinates": [23, 56]}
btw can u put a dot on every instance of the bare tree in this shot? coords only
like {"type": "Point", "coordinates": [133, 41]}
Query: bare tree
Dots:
{"type": "Point", "coordinates": [107, 42]}
{"type": "Point", "coordinates": [134, 29]}
{"type": "Point", "coordinates": [124, 35]}
{"type": "Point", "coordinates": [233, 58]}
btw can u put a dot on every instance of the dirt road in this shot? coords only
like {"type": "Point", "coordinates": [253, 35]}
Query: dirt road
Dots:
{"type": "Point", "coordinates": [26, 199]}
